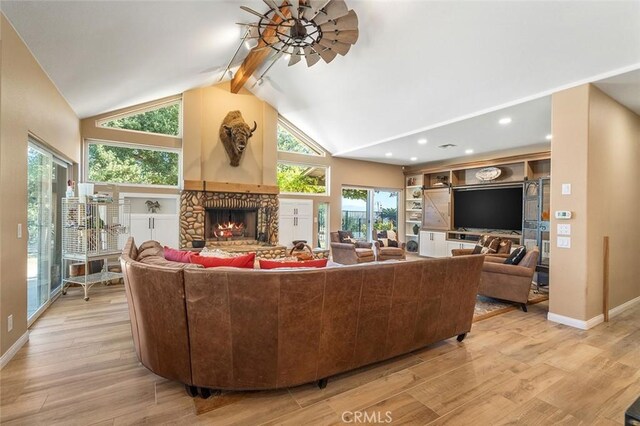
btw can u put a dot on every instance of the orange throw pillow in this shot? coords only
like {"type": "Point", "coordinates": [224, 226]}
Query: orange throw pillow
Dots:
{"type": "Point", "coordinates": [244, 261]}
{"type": "Point", "coordinates": [273, 264]}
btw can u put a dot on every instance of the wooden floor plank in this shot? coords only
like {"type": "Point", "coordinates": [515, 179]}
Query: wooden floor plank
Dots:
{"type": "Point", "coordinates": [79, 368]}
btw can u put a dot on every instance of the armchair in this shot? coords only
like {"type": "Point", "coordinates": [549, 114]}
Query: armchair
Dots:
{"type": "Point", "coordinates": [350, 253]}
{"type": "Point", "coordinates": [389, 253]}
{"type": "Point", "coordinates": [508, 282]}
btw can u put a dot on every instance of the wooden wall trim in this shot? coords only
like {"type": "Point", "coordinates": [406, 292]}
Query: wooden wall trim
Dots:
{"type": "Point", "coordinates": [199, 185]}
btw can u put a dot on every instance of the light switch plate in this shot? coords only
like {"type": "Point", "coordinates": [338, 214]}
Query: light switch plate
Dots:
{"type": "Point", "coordinates": [19, 230]}
{"type": "Point", "coordinates": [564, 242]}
{"type": "Point", "coordinates": [566, 189]}
{"type": "Point", "coordinates": [564, 229]}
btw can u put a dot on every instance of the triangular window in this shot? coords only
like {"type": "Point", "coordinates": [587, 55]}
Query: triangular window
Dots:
{"type": "Point", "coordinates": [292, 140]}
{"type": "Point", "coordinates": [161, 119]}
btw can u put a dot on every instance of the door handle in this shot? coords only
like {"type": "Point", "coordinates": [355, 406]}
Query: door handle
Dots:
{"type": "Point", "coordinates": [149, 224]}
{"type": "Point", "coordinates": [153, 222]}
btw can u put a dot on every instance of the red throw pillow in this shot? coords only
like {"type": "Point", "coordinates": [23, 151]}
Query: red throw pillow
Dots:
{"type": "Point", "coordinates": [273, 264]}
{"type": "Point", "coordinates": [244, 261]}
{"type": "Point", "coordinates": [177, 255]}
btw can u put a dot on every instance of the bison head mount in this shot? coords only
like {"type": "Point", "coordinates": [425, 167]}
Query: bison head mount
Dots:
{"type": "Point", "coordinates": [235, 134]}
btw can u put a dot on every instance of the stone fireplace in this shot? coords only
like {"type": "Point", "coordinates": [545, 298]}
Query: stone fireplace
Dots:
{"type": "Point", "coordinates": [230, 221]}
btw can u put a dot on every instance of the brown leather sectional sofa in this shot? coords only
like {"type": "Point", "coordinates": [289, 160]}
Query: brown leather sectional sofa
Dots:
{"type": "Point", "coordinates": [226, 328]}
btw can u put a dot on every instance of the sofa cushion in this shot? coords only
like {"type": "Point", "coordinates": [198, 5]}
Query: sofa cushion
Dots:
{"type": "Point", "coordinates": [177, 255]}
{"type": "Point", "coordinates": [517, 255]}
{"type": "Point", "coordinates": [364, 252]}
{"type": "Point", "coordinates": [244, 261]}
{"type": "Point", "coordinates": [273, 264]}
{"type": "Point", "coordinates": [161, 261]}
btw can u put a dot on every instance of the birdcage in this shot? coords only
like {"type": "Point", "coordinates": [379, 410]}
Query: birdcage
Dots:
{"type": "Point", "coordinates": [93, 231]}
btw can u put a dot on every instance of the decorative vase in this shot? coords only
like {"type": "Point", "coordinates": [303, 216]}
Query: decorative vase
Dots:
{"type": "Point", "coordinates": [416, 229]}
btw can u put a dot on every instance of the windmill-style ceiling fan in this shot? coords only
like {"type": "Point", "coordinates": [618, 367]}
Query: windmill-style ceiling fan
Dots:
{"type": "Point", "coordinates": [313, 29]}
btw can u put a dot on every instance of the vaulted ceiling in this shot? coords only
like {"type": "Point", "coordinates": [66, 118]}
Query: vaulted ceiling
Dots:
{"type": "Point", "coordinates": [417, 65]}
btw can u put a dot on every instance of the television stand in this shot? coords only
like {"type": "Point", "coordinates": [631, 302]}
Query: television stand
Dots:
{"type": "Point", "coordinates": [473, 236]}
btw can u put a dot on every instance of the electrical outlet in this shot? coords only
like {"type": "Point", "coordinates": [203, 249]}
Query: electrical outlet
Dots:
{"type": "Point", "coordinates": [10, 323]}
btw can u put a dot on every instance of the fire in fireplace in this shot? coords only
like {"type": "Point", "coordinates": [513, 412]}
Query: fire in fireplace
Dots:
{"type": "Point", "coordinates": [231, 224]}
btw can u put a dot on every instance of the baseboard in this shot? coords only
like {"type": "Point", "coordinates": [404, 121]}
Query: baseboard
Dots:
{"type": "Point", "coordinates": [576, 323]}
{"type": "Point", "coordinates": [4, 360]}
{"type": "Point", "coordinates": [621, 308]}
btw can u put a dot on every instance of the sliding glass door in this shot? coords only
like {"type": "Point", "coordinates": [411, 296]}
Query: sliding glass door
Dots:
{"type": "Point", "coordinates": [46, 183]}
{"type": "Point", "coordinates": [364, 209]}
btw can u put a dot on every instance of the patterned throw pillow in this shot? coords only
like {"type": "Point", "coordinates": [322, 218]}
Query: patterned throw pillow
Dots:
{"type": "Point", "coordinates": [387, 242]}
{"type": "Point", "coordinates": [487, 244]}
{"type": "Point", "coordinates": [504, 246]}
{"type": "Point", "coordinates": [346, 237]}
{"type": "Point", "coordinates": [516, 256]}
{"type": "Point", "coordinates": [388, 239]}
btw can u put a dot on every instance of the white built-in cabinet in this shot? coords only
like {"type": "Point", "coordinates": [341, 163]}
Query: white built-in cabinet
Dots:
{"type": "Point", "coordinates": [162, 226]}
{"type": "Point", "coordinates": [295, 221]}
{"type": "Point", "coordinates": [434, 244]}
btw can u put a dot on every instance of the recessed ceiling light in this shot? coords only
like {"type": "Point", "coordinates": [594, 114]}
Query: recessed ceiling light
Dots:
{"type": "Point", "coordinates": [388, 154]}
{"type": "Point", "coordinates": [548, 137]}
{"type": "Point", "coordinates": [422, 141]}
{"type": "Point", "coordinates": [414, 158]}
{"type": "Point", "coordinates": [468, 151]}
{"type": "Point", "coordinates": [505, 120]}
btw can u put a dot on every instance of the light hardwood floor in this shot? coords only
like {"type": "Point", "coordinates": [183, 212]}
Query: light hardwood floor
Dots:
{"type": "Point", "coordinates": [79, 367]}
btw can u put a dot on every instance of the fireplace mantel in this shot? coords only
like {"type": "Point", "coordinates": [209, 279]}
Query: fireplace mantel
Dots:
{"type": "Point", "coordinates": [246, 188]}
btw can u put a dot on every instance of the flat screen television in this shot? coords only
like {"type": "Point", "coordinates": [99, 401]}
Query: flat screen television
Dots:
{"type": "Point", "coordinates": [488, 208]}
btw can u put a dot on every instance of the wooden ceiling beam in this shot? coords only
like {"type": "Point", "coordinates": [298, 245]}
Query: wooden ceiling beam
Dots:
{"type": "Point", "coordinates": [258, 54]}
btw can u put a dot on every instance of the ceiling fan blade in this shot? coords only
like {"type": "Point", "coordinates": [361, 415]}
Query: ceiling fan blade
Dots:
{"type": "Point", "coordinates": [314, 6]}
{"type": "Point", "coordinates": [294, 7]}
{"type": "Point", "coordinates": [260, 15]}
{"type": "Point", "coordinates": [327, 55]}
{"type": "Point", "coordinates": [334, 10]}
{"type": "Point", "coordinates": [336, 46]}
{"type": "Point", "coordinates": [295, 57]}
{"type": "Point", "coordinates": [311, 56]}
{"type": "Point", "coordinates": [348, 22]}
{"type": "Point", "coordinates": [273, 5]}
{"type": "Point", "coordinates": [350, 36]}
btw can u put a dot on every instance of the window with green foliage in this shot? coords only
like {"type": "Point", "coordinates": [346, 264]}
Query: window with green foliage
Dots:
{"type": "Point", "coordinates": [110, 163]}
{"type": "Point", "coordinates": [288, 142]}
{"type": "Point", "coordinates": [302, 178]}
{"type": "Point", "coordinates": [163, 120]}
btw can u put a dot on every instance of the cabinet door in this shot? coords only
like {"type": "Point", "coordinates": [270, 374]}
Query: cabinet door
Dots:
{"type": "Point", "coordinates": [304, 229]}
{"type": "Point", "coordinates": [165, 230]}
{"type": "Point", "coordinates": [452, 246]}
{"type": "Point", "coordinates": [286, 230]}
{"type": "Point", "coordinates": [436, 209]}
{"type": "Point", "coordinates": [140, 228]}
{"type": "Point", "coordinates": [426, 244]}
{"type": "Point", "coordinates": [440, 244]}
